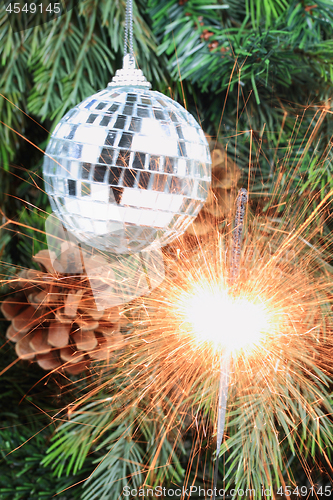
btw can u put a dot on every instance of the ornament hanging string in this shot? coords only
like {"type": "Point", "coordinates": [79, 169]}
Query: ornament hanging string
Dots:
{"type": "Point", "coordinates": [128, 42]}
{"type": "Point", "coordinates": [225, 365]}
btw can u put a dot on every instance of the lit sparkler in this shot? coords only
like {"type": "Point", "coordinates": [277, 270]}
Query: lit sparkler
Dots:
{"type": "Point", "coordinates": [269, 320]}
{"type": "Point", "coordinates": [279, 312]}
{"type": "Point", "coordinates": [278, 341]}
{"type": "Point", "coordinates": [225, 358]}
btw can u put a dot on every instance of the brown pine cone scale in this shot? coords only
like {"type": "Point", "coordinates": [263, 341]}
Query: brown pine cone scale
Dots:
{"type": "Point", "coordinates": [54, 319]}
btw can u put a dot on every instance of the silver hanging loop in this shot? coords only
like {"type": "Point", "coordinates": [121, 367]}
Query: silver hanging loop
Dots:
{"type": "Point", "coordinates": [129, 75]}
{"type": "Point", "coordinates": [128, 41]}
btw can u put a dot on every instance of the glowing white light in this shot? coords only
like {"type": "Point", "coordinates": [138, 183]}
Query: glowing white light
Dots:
{"type": "Point", "coordinates": [229, 322]}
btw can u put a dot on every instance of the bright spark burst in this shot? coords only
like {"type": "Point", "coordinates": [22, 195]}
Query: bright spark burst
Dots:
{"type": "Point", "coordinates": [224, 321]}
{"type": "Point", "coordinates": [280, 314]}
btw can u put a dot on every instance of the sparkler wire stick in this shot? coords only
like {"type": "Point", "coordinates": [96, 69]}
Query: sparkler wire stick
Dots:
{"type": "Point", "coordinates": [222, 409]}
{"type": "Point", "coordinates": [242, 199]}
{"type": "Point", "coordinates": [237, 233]}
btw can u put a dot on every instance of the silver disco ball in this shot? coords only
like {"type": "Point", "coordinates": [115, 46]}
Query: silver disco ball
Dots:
{"type": "Point", "coordinates": [128, 168]}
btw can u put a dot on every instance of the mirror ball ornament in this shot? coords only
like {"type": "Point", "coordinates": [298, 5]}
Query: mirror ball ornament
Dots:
{"type": "Point", "coordinates": [127, 169]}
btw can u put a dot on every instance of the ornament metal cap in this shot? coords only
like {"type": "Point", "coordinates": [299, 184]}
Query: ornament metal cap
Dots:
{"type": "Point", "coordinates": [129, 75]}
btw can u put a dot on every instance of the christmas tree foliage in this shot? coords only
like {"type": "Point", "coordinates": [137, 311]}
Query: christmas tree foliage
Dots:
{"type": "Point", "coordinates": [258, 77]}
{"type": "Point", "coordinates": [263, 71]}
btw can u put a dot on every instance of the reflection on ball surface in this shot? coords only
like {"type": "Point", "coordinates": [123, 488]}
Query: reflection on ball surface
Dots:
{"type": "Point", "coordinates": [127, 169]}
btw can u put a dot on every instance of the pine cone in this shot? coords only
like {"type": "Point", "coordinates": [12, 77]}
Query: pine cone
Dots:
{"type": "Point", "coordinates": [54, 319]}
{"type": "Point", "coordinates": [222, 194]}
